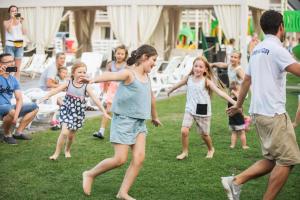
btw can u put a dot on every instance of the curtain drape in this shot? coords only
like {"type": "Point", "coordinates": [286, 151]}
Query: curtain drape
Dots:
{"type": "Point", "coordinates": [29, 23]}
{"type": "Point", "coordinates": [256, 13]}
{"type": "Point", "coordinates": [158, 37]}
{"type": "Point", "coordinates": [51, 18]}
{"type": "Point", "coordinates": [229, 17]}
{"type": "Point", "coordinates": [148, 17]}
{"type": "Point", "coordinates": [41, 25]}
{"type": "Point", "coordinates": [120, 19]}
{"type": "Point", "coordinates": [3, 16]}
{"type": "Point", "coordinates": [84, 26]}
{"type": "Point", "coordinates": [172, 18]}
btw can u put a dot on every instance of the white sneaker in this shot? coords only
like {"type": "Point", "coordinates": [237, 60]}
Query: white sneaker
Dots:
{"type": "Point", "coordinates": [233, 191]}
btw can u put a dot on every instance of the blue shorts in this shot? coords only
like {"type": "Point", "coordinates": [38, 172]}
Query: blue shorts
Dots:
{"type": "Point", "coordinates": [16, 52]}
{"type": "Point", "coordinates": [124, 130]}
{"type": "Point", "coordinates": [26, 108]}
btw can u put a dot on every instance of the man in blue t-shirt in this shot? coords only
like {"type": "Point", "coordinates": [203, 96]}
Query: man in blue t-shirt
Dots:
{"type": "Point", "coordinates": [10, 113]}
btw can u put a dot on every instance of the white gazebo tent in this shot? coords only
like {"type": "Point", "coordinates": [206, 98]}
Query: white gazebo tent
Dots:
{"type": "Point", "coordinates": [134, 21]}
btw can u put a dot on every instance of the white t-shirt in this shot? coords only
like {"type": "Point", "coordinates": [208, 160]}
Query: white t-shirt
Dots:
{"type": "Point", "coordinates": [49, 73]}
{"type": "Point", "coordinates": [268, 77]}
{"type": "Point", "coordinates": [197, 94]}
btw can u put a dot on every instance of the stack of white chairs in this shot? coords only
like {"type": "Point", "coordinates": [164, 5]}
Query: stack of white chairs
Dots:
{"type": "Point", "coordinates": [25, 62]}
{"type": "Point", "coordinates": [93, 61]}
{"type": "Point", "coordinates": [37, 62]}
{"type": "Point", "coordinates": [165, 75]}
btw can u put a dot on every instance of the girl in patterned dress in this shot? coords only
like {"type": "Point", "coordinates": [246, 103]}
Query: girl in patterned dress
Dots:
{"type": "Point", "coordinates": [72, 112]}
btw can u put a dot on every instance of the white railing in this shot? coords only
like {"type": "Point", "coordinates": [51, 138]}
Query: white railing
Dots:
{"type": "Point", "coordinates": [104, 46]}
{"type": "Point", "coordinates": [101, 16]}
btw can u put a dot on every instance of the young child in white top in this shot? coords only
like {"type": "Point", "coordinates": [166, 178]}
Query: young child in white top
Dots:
{"type": "Point", "coordinates": [62, 75]}
{"type": "Point", "coordinates": [200, 85]}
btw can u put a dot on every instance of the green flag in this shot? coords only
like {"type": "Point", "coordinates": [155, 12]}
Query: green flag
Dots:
{"type": "Point", "coordinates": [291, 21]}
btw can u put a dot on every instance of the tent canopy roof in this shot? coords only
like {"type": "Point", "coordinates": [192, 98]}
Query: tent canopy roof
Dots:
{"type": "Point", "coordinates": [260, 4]}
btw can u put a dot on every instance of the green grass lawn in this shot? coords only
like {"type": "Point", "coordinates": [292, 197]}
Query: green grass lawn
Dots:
{"type": "Point", "coordinates": [26, 172]}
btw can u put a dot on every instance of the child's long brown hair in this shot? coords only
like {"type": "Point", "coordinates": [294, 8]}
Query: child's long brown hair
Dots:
{"type": "Point", "coordinates": [209, 74]}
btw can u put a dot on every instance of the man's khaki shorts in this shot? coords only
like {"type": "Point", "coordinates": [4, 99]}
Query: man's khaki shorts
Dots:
{"type": "Point", "coordinates": [202, 123]}
{"type": "Point", "coordinates": [277, 138]}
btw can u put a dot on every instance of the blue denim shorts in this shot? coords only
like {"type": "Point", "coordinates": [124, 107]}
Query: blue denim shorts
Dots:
{"type": "Point", "coordinates": [124, 130]}
{"type": "Point", "coordinates": [26, 108]}
{"type": "Point", "coordinates": [14, 51]}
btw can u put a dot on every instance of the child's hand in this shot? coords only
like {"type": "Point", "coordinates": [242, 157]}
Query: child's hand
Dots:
{"type": "Point", "coordinates": [105, 114]}
{"type": "Point", "coordinates": [85, 80]}
{"type": "Point", "coordinates": [233, 110]}
{"type": "Point", "coordinates": [156, 122]}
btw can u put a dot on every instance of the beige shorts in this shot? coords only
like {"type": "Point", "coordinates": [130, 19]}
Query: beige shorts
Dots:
{"type": "Point", "coordinates": [202, 123]}
{"type": "Point", "coordinates": [277, 138]}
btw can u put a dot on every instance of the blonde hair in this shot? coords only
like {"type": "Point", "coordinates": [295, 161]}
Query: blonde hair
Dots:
{"type": "Point", "coordinates": [238, 53]}
{"type": "Point", "coordinates": [76, 65]}
{"type": "Point", "coordinates": [209, 74]}
{"type": "Point", "coordinates": [61, 69]}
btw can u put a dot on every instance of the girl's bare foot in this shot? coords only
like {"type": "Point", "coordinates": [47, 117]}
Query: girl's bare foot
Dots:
{"type": "Point", "coordinates": [53, 157]}
{"type": "Point", "coordinates": [210, 154]}
{"type": "Point", "coordinates": [68, 154]}
{"type": "Point", "coordinates": [232, 146]}
{"type": "Point", "coordinates": [182, 156]}
{"type": "Point", "coordinates": [87, 182]}
{"type": "Point", "coordinates": [245, 147]}
{"type": "Point", "coordinates": [124, 197]}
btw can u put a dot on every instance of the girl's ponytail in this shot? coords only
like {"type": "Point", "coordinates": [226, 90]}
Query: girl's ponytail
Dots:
{"type": "Point", "coordinates": [132, 58]}
{"type": "Point", "coordinates": [136, 55]}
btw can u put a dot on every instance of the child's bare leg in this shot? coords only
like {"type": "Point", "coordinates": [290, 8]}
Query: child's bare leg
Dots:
{"type": "Point", "coordinates": [69, 142]}
{"type": "Point", "coordinates": [243, 139]}
{"type": "Point", "coordinates": [104, 119]}
{"type": "Point", "coordinates": [208, 142]}
{"type": "Point", "coordinates": [138, 156]}
{"type": "Point", "coordinates": [60, 142]}
{"type": "Point", "coordinates": [104, 122]}
{"type": "Point", "coordinates": [233, 139]}
{"type": "Point", "coordinates": [185, 143]}
{"type": "Point", "coordinates": [120, 157]}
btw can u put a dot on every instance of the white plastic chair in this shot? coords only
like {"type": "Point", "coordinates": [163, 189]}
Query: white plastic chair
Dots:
{"type": "Point", "coordinates": [45, 108]}
{"type": "Point", "coordinates": [37, 62]}
{"type": "Point", "coordinates": [165, 75]}
{"type": "Point", "coordinates": [25, 62]}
